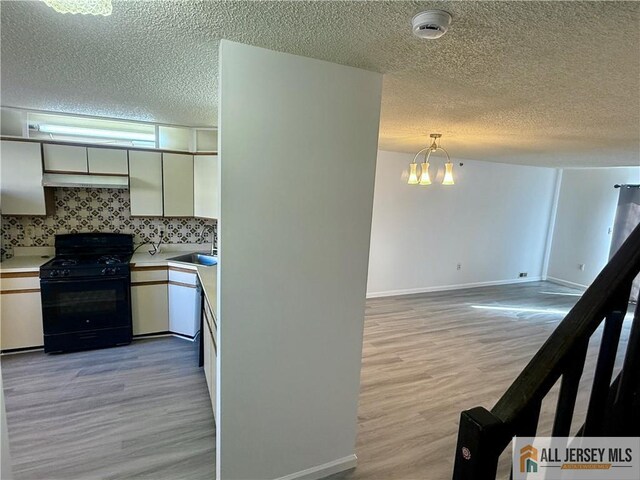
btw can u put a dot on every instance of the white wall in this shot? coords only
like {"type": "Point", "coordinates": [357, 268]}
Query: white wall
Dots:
{"type": "Point", "coordinates": [298, 140]}
{"type": "Point", "coordinates": [494, 221]}
{"type": "Point", "coordinates": [586, 211]}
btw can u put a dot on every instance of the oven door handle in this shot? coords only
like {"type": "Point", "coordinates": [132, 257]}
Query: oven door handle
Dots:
{"type": "Point", "coordinates": [54, 281]}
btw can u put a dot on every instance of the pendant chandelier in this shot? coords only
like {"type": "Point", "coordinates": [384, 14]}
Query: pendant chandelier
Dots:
{"type": "Point", "coordinates": [422, 177]}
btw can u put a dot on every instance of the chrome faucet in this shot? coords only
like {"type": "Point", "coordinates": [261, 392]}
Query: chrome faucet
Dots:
{"type": "Point", "coordinates": [213, 239]}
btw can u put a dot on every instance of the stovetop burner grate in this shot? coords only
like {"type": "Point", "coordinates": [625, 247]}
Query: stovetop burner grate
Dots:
{"type": "Point", "coordinates": [64, 262]}
{"type": "Point", "coordinates": [110, 260]}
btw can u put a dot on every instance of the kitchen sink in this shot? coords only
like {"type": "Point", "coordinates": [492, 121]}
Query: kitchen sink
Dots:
{"type": "Point", "coordinates": [197, 258]}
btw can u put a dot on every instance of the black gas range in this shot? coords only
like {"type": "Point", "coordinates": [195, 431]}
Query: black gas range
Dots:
{"type": "Point", "coordinates": [86, 292]}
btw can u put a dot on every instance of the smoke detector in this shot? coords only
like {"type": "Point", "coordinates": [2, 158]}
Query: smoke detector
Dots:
{"type": "Point", "coordinates": [431, 24]}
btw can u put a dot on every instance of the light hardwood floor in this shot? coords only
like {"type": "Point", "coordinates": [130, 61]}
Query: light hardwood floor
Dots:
{"type": "Point", "coordinates": [139, 411]}
{"type": "Point", "coordinates": [427, 357]}
{"type": "Point", "coordinates": [142, 411]}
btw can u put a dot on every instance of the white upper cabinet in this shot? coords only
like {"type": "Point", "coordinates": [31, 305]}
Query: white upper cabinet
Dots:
{"type": "Point", "coordinates": [205, 186]}
{"type": "Point", "coordinates": [108, 161]}
{"type": "Point", "coordinates": [177, 176]}
{"type": "Point", "coordinates": [175, 138]}
{"type": "Point", "coordinates": [65, 158]}
{"type": "Point", "coordinates": [21, 187]}
{"type": "Point", "coordinates": [145, 183]}
{"type": "Point", "coordinates": [206, 140]}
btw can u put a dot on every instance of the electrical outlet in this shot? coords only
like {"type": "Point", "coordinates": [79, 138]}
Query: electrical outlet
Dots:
{"type": "Point", "coordinates": [459, 266]}
{"type": "Point", "coordinates": [29, 231]}
{"type": "Point", "coordinates": [581, 267]}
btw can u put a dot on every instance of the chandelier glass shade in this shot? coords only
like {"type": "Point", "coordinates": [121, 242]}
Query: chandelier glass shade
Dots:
{"type": "Point", "coordinates": [448, 174]}
{"type": "Point", "coordinates": [413, 174]}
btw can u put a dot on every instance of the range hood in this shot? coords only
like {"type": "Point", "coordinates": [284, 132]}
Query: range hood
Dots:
{"type": "Point", "coordinates": [84, 180]}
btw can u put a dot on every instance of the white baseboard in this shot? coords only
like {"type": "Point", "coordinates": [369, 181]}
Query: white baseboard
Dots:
{"type": "Point", "coordinates": [324, 470]}
{"type": "Point", "coordinates": [444, 288]}
{"type": "Point", "coordinates": [567, 283]}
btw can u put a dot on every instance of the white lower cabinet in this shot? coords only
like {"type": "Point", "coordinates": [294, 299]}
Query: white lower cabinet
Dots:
{"type": "Point", "coordinates": [149, 299]}
{"type": "Point", "coordinates": [20, 320]}
{"type": "Point", "coordinates": [184, 302]}
{"type": "Point", "coordinates": [150, 308]}
{"type": "Point", "coordinates": [165, 299]}
{"type": "Point", "coordinates": [210, 357]}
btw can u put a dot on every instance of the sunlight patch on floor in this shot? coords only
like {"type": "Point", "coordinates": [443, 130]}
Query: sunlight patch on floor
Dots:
{"type": "Point", "coordinates": [521, 309]}
{"type": "Point", "coordinates": [563, 293]}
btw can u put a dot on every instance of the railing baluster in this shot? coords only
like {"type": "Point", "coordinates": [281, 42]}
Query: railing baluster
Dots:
{"type": "Point", "coordinates": [528, 424]}
{"type": "Point", "coordinates": [569, 392]}
{"type": "Point", "coordinates": [627, 398]}
{"type": "Point", "coordinates": [594, 423]}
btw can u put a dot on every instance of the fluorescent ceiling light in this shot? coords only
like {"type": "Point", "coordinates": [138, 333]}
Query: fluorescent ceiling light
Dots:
{"type": "Point", "coordinates": [83, 7]}
{"type": "Point", "coordinates": [95, 132]}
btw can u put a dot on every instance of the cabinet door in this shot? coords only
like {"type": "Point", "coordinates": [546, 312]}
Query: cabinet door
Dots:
{"type": "Point", "coordinates": [107, 160]}
{"type": "Point", "coordinates": [177, 180]}
{"type": "Point", "coordinates": [210, 367]}
{"type": "Point", "coordinates": [150, 308]}
{"type": "Point", "coordinates": [214, 376]}
{"type": "Point", "coordinates": [184, 305]}
{"type": "Point", "coordinates": [21, 320]}
{"type": "Point", "coordinates": [206, 341]}
{"type": "Point", "coordinates": [205, 186]}
{"type": "Point", "coordinates": [65, 158]}
{"type": "Point", "coordinates": [21, 189]}
{"type": "Point", "coordinates": [145, 183]}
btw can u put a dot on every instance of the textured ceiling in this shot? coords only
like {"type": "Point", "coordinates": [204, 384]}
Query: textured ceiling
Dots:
{"type": "Point", "coordinates": [542, 83]}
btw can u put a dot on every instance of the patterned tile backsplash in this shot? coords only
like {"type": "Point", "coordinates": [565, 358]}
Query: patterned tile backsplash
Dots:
{"type": "Point", "coordinates": [91, 209]}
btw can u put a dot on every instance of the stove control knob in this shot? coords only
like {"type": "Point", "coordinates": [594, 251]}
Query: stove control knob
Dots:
{"type": "Point", "coordinates": [65, 273]}
{"type": "Point", "coordinates": [54, 273]}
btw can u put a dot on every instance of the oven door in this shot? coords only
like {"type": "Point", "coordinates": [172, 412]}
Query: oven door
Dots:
{"type": "Point", "coordinates": [74, 305]}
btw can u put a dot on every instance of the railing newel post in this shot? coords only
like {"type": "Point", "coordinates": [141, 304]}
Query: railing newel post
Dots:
{"type": "Point", "coordinates": [481, 439]}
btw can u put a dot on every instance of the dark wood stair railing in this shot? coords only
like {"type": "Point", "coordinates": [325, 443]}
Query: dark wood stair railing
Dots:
{"type": "Point", "coordinates": [613, 410]}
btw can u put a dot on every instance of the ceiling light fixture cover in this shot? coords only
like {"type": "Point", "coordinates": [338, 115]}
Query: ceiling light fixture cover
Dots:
{"type": "Point", "coordinates": [83, 7]}
{"type": "Point", "coordinates": [423, 177]}
{"type": "Point", "coordinates": [431, 24]}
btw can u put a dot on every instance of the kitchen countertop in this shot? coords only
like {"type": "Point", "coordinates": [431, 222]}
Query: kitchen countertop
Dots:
{"type": "Point", "coordinates": [208, 275]}
{"type": "Point", "coordinates": [23, 263]}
